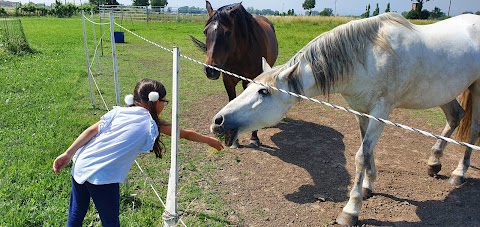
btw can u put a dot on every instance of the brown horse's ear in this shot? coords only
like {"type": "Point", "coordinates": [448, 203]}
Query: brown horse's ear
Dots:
{"type": "Point", "coordinates": [210, 10]}
{"type": "Point", "coordinates": [265, 65]}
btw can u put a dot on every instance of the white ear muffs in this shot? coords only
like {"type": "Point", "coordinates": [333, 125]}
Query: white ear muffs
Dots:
{"type": "Point", "coordinates": [129, 100]}
{"type": "Point", "coordinates": [153, 96]}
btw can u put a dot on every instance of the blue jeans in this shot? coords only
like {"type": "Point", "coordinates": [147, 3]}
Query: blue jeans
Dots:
{"type": "Point", "coordinates": [105, 197]}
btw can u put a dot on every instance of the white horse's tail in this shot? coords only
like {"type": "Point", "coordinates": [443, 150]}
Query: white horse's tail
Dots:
{"type": "Point", "coordinates": [463, 131]}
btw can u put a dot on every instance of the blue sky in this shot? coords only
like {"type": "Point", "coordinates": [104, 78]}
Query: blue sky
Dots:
{"type": "Point", "coordinates": [342, 7]}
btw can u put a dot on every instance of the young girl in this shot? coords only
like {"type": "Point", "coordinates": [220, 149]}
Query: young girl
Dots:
{"type": "Point", "coordinates": [104, 153]}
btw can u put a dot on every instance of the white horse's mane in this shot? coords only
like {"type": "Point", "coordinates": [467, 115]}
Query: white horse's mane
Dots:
{"type": "Point", "coordinates": [332, 55]}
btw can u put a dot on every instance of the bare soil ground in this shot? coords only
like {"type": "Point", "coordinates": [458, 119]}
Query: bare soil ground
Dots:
{"type": "Point", "coordinates": [302, 173]}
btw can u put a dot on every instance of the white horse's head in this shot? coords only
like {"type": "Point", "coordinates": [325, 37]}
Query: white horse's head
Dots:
{"type": "Point", "coordinates": [257, 106]}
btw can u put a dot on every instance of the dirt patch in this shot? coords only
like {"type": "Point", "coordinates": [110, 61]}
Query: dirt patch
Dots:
{"type": "Point", "coordinates": [302, 173]}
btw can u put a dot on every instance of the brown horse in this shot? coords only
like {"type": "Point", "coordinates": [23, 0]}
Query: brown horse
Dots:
{"type": "Point", "coordinates": [236, 41]}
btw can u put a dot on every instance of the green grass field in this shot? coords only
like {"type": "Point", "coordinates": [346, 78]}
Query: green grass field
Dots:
{"type": "Point", "coordinates": [45, 105]}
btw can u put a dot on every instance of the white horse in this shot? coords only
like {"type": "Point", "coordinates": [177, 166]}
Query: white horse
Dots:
{"type": "Point", "coordinates": [377, 64]}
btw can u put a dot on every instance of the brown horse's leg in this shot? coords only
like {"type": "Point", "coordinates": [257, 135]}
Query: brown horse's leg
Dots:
{"type": "Point", "coordinates": [453, 113]}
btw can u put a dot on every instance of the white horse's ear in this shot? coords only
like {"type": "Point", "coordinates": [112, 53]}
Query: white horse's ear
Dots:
{"type": "Point", "coordinates": [288, 71]}
{"type": "Point", "coordinates": [265, 65]}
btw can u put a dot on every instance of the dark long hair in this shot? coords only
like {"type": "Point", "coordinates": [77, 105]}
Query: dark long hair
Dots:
{"type": "Point", "coordinates": [140, 95]}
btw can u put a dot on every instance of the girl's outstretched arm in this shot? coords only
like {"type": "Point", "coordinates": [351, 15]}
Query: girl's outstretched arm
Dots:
{"type": "Point", "coordinates": [64, 159]}
{"type": "Point", "coordinates": [193, 136]}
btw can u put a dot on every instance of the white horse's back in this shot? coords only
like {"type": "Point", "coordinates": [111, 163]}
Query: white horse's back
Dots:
{"type": "Point", "coordinates": [430, 64]}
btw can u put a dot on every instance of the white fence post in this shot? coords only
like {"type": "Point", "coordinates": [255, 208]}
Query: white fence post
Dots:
{"type": "Point", "coordinates": [170, 216]}
{"type": "Point", "coordinates": [114, 57]}
{"type": "Point", "coordinates": [85, 41]}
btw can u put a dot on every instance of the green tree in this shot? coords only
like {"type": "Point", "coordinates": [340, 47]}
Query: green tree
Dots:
{"type": "Point", "coordinates": [412, 14]}
{"type": "Point", "coordinates": [424, 14]}
{"type": "Point", "coordinates": [388, 8]}
{"type": "Point", "coordinates": [309, 5]}
{"type": "Point", "coordinates": [326, 12]}
{"type": "Point", "coordinates": [161, 3]}
{"type": "Point", "coordinates": [98, 2]}
{"type": "Point", "coordinates": [436, 13]}
{"type": "Point", "coordinates": [29, 8]}
{"type": "Point", "coordinates": [367, 12]}
{"type": "Point", "coordinates": [141, 3]}
{"type": "Point", "coordinates": [291, 12]}
{"type": "Point", "coordinates": [62, 11]}
{"type": "Point", "coordinates": [2, 11]}
{"type": "Point", "coordinates": [376, 11]}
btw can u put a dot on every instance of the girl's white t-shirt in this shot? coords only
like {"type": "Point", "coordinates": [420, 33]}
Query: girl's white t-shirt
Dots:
{"type": "Point", "coordinates": [108, 157]}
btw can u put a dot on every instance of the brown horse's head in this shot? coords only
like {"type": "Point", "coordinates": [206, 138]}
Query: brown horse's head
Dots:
{"type": "Point", "coordinates": [219, 35]}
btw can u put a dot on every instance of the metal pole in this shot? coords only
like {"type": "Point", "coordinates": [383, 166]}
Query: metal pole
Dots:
{"type": "Point", "coordinates": [114, 58]}
{"type": "Point", "coordinates": [95, 43]}
{"type": "Point", "coordinates": [335, 8]}
{"type": "Point", "coordinates": [170, 216]}
{"type": "Point", "coordinates": [449, 5]}
{"type": "Point", "coordinates": [85, 42]}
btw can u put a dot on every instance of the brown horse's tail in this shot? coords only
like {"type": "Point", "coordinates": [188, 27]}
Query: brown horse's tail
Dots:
{"type": "Point", "coordinates": [463, 130]}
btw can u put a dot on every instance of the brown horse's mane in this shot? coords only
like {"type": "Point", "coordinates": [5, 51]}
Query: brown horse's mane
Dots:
{"type": "Point", "coordinates": [244, 21]}
{"type": "Point", "coordinates": [333, 54]}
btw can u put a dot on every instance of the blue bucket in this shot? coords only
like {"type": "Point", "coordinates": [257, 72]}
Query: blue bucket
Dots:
{"type": "Point", "coordinates": [119, 37]}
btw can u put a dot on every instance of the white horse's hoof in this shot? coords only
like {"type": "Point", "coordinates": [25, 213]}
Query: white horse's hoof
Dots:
{"type": "Point", "coordinates": [367, 193]}
{"type": "Point", "coordinates": [434, 169]}
{"type": "Point", "coordinates": [456, 180]}
{"type": "Point", "coordinates": [347, 219]}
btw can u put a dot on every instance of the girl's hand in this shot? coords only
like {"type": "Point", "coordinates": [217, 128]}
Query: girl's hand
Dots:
{"type": "Point", "coordinates": [215, 143]}
{"type": "Point", "coordinates": [61, 161]}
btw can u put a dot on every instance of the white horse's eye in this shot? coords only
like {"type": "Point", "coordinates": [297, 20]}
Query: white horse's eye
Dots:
{"type": "Point", "coordinates": [263, 91]}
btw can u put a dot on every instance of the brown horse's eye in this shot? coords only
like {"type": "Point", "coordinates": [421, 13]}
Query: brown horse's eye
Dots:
{"type": "Point", "coordinates": [228, 33]}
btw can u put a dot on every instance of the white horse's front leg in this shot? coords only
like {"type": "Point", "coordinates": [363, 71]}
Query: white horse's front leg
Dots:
{"type": "Point", "coordinates": [363, 164]}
